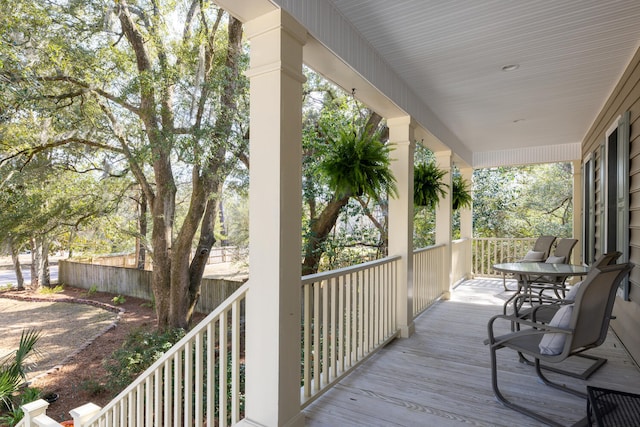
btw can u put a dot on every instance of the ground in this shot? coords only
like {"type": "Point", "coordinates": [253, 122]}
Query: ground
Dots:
{"type": "Point", "coordinates": [76, 380]}
{"type": "Point", "coordinates": [92, 336]}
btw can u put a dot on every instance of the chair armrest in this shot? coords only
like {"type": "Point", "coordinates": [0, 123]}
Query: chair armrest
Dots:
{"type": "Point", "coordinates": [536, 329]}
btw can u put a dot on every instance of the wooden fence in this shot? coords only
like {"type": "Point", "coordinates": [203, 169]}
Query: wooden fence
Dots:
{"type": "Point", "coordinates": [216, 256]}
{"type": "Point", "coordinates": [137, 283]}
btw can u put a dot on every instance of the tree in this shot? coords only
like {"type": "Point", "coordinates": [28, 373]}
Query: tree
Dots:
{"type": "Point", "coordinates": [524, 201]}
{"type": "Point", "coordinates": [344, 158]}
{"type": "Point", "coordinates": [157, 88]}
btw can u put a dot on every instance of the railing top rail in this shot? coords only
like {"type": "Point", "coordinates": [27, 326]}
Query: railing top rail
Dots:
{"type": "Point", "coordinates": [429, 248]}
{"type": "Point", "coordinates": [505, 238]}
{"type": "Point", "coordinates": [325, 275]}
{"type": "Point", "coordinates": [462, 239]}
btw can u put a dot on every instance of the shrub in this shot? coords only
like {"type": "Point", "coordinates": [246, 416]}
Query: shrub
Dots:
{"type": "Point", "coordinates": [138, 352]}
{"type": "Point", "coordinates": [48, 290]}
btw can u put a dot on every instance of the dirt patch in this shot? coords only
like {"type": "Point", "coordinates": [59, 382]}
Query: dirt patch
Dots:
{"type": "Point", "coordinates": [78, 373]}
{"type": "Point", "coordinates": [66, 328]}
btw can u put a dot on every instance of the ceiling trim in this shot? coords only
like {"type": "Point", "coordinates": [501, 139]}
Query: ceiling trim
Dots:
{"type": "Point", "coordinates": [530, 155]}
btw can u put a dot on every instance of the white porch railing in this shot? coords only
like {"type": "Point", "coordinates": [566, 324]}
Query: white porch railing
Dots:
{"type": "Point", "coordinates": [488, 251]}
{"type": "Point", "coordinates": [430, 280]}
{"type": "Point", "coordinates": [347, 315]}
{"type": "Point", "coordinates": [176, 389]}
{"type": "Point", "coordinates": [460, 259]}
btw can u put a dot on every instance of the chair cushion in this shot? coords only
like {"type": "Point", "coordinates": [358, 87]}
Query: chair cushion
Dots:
{"type": "Point", "coordinates": [571, 295]}
{"type": "Point", "coordinates": [553, 342]}
{"type": "Point", "coordinates": [533, 256]}
{"type": "Point", "coordinates": [555, 260]}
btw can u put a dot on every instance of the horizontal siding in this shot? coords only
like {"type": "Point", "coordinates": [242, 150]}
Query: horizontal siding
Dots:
{"type": "Point", "coordinates": [625, 97]}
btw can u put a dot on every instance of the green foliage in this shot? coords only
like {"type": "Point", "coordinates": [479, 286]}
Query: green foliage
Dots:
{"type": "Point", "coordinates": [12, 366]}
{"type": "Point", "coordinates": [93, 387]}
{"type": "Point", "coordinates": [138, 352]}
{"type": "Point", "coordinates": [92, 290]}
{"type": "Point", "coordinates": [357, 164]}
{"type": "Point", "coordinates": [51, 290]}
{"type": "Point", "coordinates": [118, 299]}
{"type": "Point", "coordinates": [428, 187]}
{"type": "Point", "coordinates": [14, 414]}
{"type": "Point", "coordinates": [460, 194]}
{"type": "Point", "coordinates": [525, 201]}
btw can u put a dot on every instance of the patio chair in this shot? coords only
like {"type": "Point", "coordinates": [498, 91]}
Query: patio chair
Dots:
{"type": "Point", "coordinates": [574, 328]}
{"type": "Point", "coordinates": [561, 255]}
{"type": "Point", "coordinates": [539, 253]}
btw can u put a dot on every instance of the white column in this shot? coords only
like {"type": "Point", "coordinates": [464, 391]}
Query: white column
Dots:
{"type": "Point", "coordinates": [466, 221]}
{"type": "Point", "coordinates": [401, 133]}
{"type": "Point", "coordinates": [273, 302]}
{"type": "Point", "coordinates": [577, 208]}
{"type": "Point", "coordinates": [444, 212]}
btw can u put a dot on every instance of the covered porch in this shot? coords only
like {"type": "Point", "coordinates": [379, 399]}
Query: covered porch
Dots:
{"type": "Point", "coordinates": [438, 373]}
{"type": "Point", "coordinates": [441, 376]}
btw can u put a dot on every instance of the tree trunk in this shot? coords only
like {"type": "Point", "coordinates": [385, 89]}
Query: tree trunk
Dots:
{"type": "Point", "coordinates": [320, 229]}
{"type": "Point", "coordinates": [141, 251]}
{"type": "Point", "coordinates": [39, 262]}
{"type": "Point", "coordinates": [15, 258]}
{"type": "Point", "coordinates": [223, 226]}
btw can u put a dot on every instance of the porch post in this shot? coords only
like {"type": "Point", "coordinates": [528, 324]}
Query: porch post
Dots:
{"type": "Point", "coordinates": [275, 204]}
{"type": "Point", "coordinates": [577, 208]}
{"type": "Point", "coordinates": [444, 214]}
{"type": "Point", "coordinates": [466, 223]}
{"type": "Point", "coordinates": [401, 133]}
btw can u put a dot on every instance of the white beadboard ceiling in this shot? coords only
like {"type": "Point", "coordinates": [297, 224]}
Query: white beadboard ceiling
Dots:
{"type": "Point", "coordinates": [570, 53]}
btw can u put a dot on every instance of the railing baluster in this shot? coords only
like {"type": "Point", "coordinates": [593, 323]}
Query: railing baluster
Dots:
{"type": "Point", "coordinates": [198, 379]}
{"type": "Point", "coordinates": [235, 362]}
{"type": "Point", "coordinates": [223, 344]}
{"type": "Point", "coordinates": [333, 282]}
{"type": "Point", "coordinates": [317, 355]}
{"type": "Point", "coordinates": [326, 334]}
{"type": "Point", "coordinates": [306, 341]}
{"type": "Point", "coordinates": [211, 378]}
{"type": "Point", "coordinates": [188, 384]}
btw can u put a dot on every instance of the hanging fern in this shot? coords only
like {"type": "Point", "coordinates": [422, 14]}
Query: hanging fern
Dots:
{"type": "Point", "coordinates": [359, 164]}
{"type": "Point", "coordinates": [461, 197]}
{"type": "Point", "coordinates": [428, 187]}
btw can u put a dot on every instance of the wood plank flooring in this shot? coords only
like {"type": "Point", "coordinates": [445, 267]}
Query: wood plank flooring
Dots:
{"type": "Point", "coordinates": [441, 375]}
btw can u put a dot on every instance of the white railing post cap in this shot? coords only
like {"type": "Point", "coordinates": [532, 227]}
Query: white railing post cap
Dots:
{"type": "Point", "coordinates": [43, 420]}
{"type": "Point", "coordinates": [83, 413]}
{"type": "Point", "coordinates": [35, 406]}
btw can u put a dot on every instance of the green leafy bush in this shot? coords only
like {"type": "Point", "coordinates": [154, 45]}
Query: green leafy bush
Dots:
{"type": "Point", "coordinates": [138, 352]}
{"type": "Point", "coordinates": [119, 299]}
{"type": "Point", "coordinates": [12, 375]}
{"type": "Point", "coordinates": [48, 290]}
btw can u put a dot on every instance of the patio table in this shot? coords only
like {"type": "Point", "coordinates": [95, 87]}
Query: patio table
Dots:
{"type": "Point", "coordinates": [532, 270]}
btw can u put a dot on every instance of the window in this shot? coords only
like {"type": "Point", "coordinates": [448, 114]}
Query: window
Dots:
{"type": "Point", "coordinates": [616, 192]}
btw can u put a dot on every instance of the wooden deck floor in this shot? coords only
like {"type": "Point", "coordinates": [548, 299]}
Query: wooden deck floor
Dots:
{"type": "Point", "coordinates": [441, 375]}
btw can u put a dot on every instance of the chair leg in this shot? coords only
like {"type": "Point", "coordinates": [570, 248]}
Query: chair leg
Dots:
{"type": "Point", "coordinates": [509, 404]}
{"type": "Point", "coordinates": [584, 375]}
{"type": "Point", "coordinates": [556, 385]}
